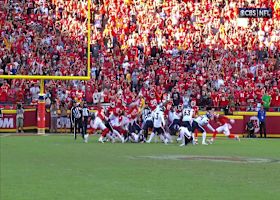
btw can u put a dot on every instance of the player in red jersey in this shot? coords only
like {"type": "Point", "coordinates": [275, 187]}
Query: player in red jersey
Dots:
{"type": "Point", "coordinates": [115, 120]}
{"type": "Point", "coordinates": [97, 122]}
{"type": "Point", "coordinates": [225, 126]}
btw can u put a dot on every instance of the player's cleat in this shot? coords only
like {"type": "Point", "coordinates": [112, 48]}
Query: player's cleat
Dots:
{"type": "Point", "coordinates": [182, 145]}
{"type": "Point", "coordinates": [86, 138]}
{"type": "Point", "coordinates": [194, 142]}
{"type": "Point", "coordinates": [237, 138]}
{"type": "Point", "coordinates": [210, 141]}
{"type": "Point", "coordinates": [100, 140]}
{"type": "Point", "coordinates": [166, 141]}
{"type": "Point", "coordinates": [178, 140]}
{"type": "Point", "coordinates": [204, 143]}
{"type": "Point", "coordinates": [122, 139]}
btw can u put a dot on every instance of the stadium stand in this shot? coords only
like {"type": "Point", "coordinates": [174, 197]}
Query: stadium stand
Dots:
{"type": "Point", "coordinates": [200, 50]}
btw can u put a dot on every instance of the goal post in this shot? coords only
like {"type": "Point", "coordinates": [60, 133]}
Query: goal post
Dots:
{"type": "Point", "coordinates": [41, 102]}
{"type": "Point", "coordinates": [46, 77]}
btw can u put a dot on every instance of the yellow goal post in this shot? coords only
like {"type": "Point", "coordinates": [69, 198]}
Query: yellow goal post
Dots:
{"type": "Point", "coordinates": [46, 77]}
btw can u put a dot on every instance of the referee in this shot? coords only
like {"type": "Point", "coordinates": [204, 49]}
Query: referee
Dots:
{"type": "Point", "coordinates": [76, 119]}
{"type": "Point", "coordinates": [85, 113]}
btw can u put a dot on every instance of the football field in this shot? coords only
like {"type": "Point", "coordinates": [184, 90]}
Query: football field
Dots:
{"type": "Point", "coordinates": [57, 167]}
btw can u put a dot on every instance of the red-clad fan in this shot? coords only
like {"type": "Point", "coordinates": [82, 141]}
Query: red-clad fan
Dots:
{"type": "Point", "coordinates": [275, 100]}
{"type": "Point", "coordinates": [215, 98]}
{"type": "Point", "coordinates": [152, 100]}
{"type": "Point", "coordinates": [194, 107]}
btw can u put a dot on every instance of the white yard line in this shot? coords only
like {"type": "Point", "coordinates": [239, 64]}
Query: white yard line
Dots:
{"type": "Point", "coordinates": [5, 134]}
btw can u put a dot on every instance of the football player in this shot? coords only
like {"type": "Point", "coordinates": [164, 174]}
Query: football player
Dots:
{"type": "Point", "coordinates": [187, 120]}
{"type": "Point", "coordinates": [198, 125]}
{"type": "Point", "coordinates": [225, 126]}
{"type": "Point", "coordinates": [185, 134]}
{"type": "Point", "coordinates": [147, 120]}
{"type": "Point", "coordinates": [159, 123]}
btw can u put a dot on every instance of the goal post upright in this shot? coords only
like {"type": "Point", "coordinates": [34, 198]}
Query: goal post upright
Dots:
{"type": "Point", "coordinates": [41, 101]}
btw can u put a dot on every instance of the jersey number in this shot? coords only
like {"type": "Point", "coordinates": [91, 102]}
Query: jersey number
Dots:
{"type": "Point", "coordinates": [156, 116]}
{"type": "Point", "coordinates": [187, 112]}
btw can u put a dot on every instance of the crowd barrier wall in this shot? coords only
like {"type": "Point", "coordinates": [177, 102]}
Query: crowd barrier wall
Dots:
{"type": "Point", "coordinates": [8, 122]}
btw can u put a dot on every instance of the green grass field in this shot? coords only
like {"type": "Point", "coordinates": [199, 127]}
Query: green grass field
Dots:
{"type": "Point", "coordinates": [57, 167]}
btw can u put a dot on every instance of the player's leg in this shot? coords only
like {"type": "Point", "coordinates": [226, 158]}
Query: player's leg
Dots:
{"type": "Point", "coordinates": [86, 135]}
{"type": "Point", "coordinates": [152, 135]}
{"type": "Point", "coordinates": [117, 132]}
{"type": "Point", "coordinates": [161, 134]}
{"type": "Point", "coordinates": [228, 134]}
{"type": "Point", "coordinates": [220, 129]}
{"type": "Point", "coordinates": [98, 124]}
{"type": "Point", "coordinates": [104, 134]}
{"type": "Point", "coordinates": [168, 136]}
{"type": "Point", "coordinates": [75, 128]}
{"type": "Point", "coordinates": [194, 128]}
{"type": "Point", "coordinates": [148, 124]}
{"type": "Point", "coordinates": [202, 130]}
{"type": "Point", "coordinates": [180, 137]}
{"type": "Point", "coordinates": [171, 127]}
{"type": "Point", "coordinates": [187, 138]}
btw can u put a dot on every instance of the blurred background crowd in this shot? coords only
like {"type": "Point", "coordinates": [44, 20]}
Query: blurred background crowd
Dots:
{"type": "Point", "coordinates": [194, 52]}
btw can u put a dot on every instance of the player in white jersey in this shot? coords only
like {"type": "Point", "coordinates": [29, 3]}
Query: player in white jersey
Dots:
{"type": "Point", "coordinates": [174, 117]}
{"type": "Point", "coordinates": [198, 124]}
{"type": "Point", "coordinates": [185, 134]}
{"type": "Point", "coordinates": [159, 123]}
{"type": "Point", "coordinates": [187, 119]}
{"type": "Point", "coordinates": [147, 121]}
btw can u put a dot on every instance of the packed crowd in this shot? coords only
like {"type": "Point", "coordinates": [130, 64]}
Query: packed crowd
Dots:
{"type": "Point", "coordinates": [199, 52]}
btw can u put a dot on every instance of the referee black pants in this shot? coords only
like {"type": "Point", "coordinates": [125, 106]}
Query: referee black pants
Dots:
{"type": "Point", "coordinates": [84, 131]}
{"type": "Point", "coordinates": [78, 125]}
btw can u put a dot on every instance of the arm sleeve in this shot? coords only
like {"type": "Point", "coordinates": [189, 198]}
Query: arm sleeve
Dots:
{"type": "Point", "coordinates": [71, 115]}
{"type": "Point", "coordinates": [210, 127]}
{"type": "Point", "coordinates": [162, 119]}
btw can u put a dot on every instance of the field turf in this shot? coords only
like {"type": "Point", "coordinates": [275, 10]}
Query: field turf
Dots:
{"type": "Point", "coordinates": [57, 167]}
